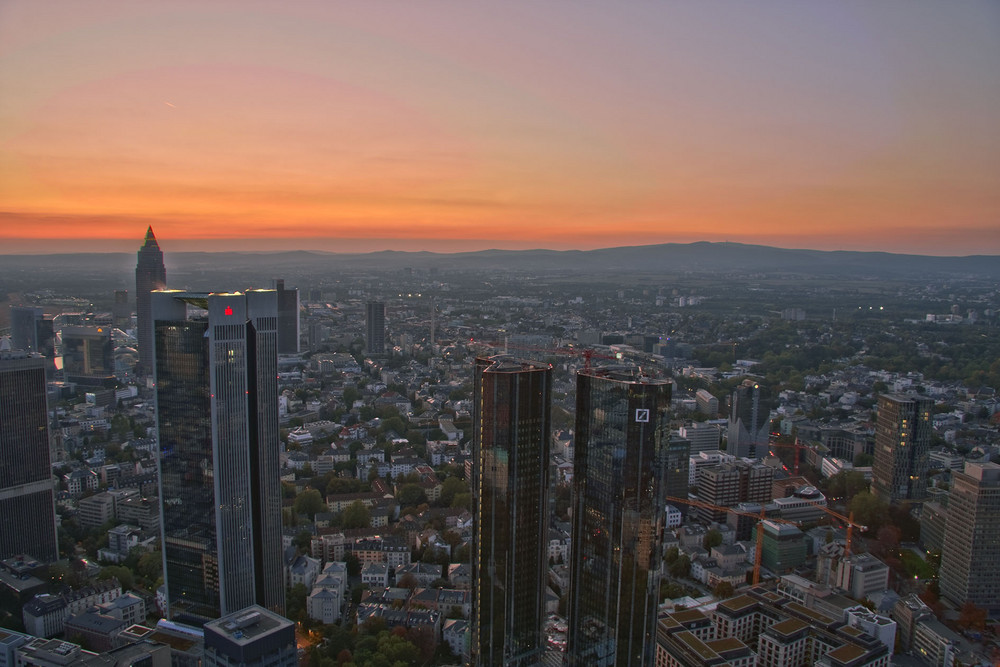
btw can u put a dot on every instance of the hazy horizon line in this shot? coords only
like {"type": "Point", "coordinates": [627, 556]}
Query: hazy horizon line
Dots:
{"type": "Point", "coordinates": [133, 246]}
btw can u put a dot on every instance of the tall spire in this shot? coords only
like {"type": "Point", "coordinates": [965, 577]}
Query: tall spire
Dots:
{"type": "Point", "coordinates": [150, 274]}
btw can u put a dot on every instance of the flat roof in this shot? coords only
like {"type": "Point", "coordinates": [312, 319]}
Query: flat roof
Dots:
{"type": "Point", "coordinates": [811, 613]}
{"type": "Point", "coordinates": [182, 644]}
{"type": "Point", "coordinates": [726, 644]}
{"type": "Point", "coordinates": [847, 652]}
{"type": "Point", "coordinates": [690, 640]}
{"type": "Point", "coordinates": [688, 615]}
{"type": "Point", "coordinates": [247, 625]}
{"type": "Point", "coordinates": [789, 626]}
{"type": "Point", "coordinates": [738, 603]}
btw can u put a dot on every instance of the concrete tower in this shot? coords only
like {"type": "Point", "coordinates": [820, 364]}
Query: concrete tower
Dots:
{"type": "Point", "coordinates": [972, 539]}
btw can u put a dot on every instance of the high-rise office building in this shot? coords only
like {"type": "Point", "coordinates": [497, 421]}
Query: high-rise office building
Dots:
{"type": "Point", "coordinates": [88, 355]}
{"type": "Point", "coordinates": [27, 501]}
{"type": "Point", "coordinates": [703, 437]}
{"type": "Point", "coordinates": [707, 403]}
{"type": "Point", "coordinates": [676, 474]}
{"type": "Point", "coordinates": [150, 274]}
{"type": "Point", "coordinates": [121, 312]}
{"type": "Point", "coordinates": [622, 430]}
{"type": "Point", "coordinates": [972, 539]}
{"type": "Point", "coordinates": [511, 443]}
{"type": "Point", "coordinates": [375, 327]}
{"type": "Point", "coordinates": [288, 318]}
{"type": "Point", "coordinates": [217, 415]}
{"type": "Point", "coordinates": [749, 422]}
{"type": "Point", "coordinates": [729, 484]}
{"type": "Point", "coordinates": [902, 447]}
{"type": "Point", "coordinates": [31, 330]}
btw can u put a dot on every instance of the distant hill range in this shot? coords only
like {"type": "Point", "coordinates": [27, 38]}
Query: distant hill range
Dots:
{"type": "Point", "coordinates": [693, 258]}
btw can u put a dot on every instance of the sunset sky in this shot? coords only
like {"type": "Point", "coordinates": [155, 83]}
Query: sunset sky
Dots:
{"type": "Point", "coordinates": [351, 126]}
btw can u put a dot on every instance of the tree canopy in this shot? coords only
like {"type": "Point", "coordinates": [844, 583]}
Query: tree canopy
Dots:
{"type": "Point", "coordinates": [309, 502]}
{"type": "Point", "coordinates": [357, 515]}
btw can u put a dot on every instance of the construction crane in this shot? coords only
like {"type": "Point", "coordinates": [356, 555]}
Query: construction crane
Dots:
{"type": "Point", "coordinates": [789, 445]}
{"type": "Point", "coordinates": [758, 555]}
{"type": "Point", "coordinates": [851, 525]}
{"type": "Point", "coordinates": [587, 353]}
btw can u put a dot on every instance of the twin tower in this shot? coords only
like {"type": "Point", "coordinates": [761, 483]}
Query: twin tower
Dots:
{"type": "Point", "coordinates": [622, 434]}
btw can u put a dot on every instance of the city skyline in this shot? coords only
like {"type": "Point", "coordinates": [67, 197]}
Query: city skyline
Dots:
{"type": "Point", "coordinates": [453, 470]}
{"type": "Point", "coordinates": [355, 127]}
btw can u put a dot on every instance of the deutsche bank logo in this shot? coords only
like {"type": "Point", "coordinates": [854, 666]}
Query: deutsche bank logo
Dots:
{"type": "Point", "coordinates": [642, 416]}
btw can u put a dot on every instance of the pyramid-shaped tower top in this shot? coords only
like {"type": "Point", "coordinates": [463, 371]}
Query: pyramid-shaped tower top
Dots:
{"type": "Point", "coordinates": [150, 237]}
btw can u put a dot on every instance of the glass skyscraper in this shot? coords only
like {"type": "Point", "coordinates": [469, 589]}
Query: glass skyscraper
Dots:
{"type": "Point", "coordinates": [217, 416]}
{"type": "Point", "coordinates": [749, 423]}
{"type": "Point", "coordinates": [27, 500]}
{"type": "Point", "coordinates": [150, 274]}
{"type": "Point", "coordinates": [288, 318]}
{"type": "Point", "coordinates": [31, 330]}
{"type": "Point", "coordinates": [88, 355]}
{"type": "Point", "coordinates": [622, 436]}
{"type": "Point", "coordinates": [511, 441]}
{"type": "Point", "coordinates": [375, 327]}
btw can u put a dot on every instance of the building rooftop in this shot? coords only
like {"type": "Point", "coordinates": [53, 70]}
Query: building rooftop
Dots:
{"type": "Point", "coordinates": [738, 603]}
{"type": "Point", "coordinates": [247, 625]}
{"type": "Point", "coordinates": [847, 653]}
{"type": "Point", "coordinates": [44, 604]}
{"type": "Point", "coordinates": [688, 616]}
{"type": "Point", "coordinates": [693, 643]}
{"type": "Point", "coordinates": [726, 644]}
{"type": "Point", "coordinates": [788, 627]}
{"type": "Point", "coordinates": [94, 622]}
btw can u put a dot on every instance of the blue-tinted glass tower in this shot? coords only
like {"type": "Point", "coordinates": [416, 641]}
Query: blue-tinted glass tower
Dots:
{"type": "Point", "coordinates": [217, 416]}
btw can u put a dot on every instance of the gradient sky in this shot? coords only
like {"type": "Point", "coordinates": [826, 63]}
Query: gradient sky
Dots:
{"type": "Point", "coordinates": [423, 125]}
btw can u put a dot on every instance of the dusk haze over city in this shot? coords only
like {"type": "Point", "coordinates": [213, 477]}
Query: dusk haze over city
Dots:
{"type": "Point", "coordinates": [444, 126]}
{"type": "Point", "coordinates": [551, 333]}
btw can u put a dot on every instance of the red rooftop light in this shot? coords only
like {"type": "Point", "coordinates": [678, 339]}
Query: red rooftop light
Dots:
{"type": "Point", "coordinates": [229, 310]}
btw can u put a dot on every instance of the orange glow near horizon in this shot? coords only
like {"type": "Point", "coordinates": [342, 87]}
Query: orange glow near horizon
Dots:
{"type": "Point", "coordinates": [258, 126]}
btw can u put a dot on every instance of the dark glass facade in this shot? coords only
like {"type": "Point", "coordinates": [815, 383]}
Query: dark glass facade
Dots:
{"type": "Point", "coordinates": [150, 274]}
{"type": "Point", "coordinates": [511, 444]}
{"type": "Point", "coordinates": [618, 513]}
{"type": "Point", "coordinates": [675, 476]}
{"type": "Point", "coordinates": [902, 447]}
{"type": "Point", "coordinates": [216, 387]}
{"type": "Point", "coordinates": [375, 327]}
{"type": "Point", "coordinates": [27, 503]}
{"type": "Point", "coordinates": [31, 330]}
{"type": "Point", "coordinates": [88, 355]}
{"type": "Point", "coordinates": [288, 318]}
{"type": "Point", "coordinates": [749, 424]}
